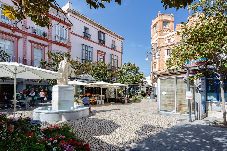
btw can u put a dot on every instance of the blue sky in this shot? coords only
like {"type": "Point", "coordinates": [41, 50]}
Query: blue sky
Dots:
{"type": "Point", "coordinates": [131, 20]}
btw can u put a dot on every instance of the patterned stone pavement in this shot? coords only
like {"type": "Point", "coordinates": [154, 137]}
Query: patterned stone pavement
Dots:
{"type": "Point", "coordinates": [119, 126]}
{"type": "Point", "coordinates": [116, 127]}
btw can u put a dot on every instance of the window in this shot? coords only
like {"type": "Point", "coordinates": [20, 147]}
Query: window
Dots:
{"type": "Point", "coordinates": [7, 46]}
{"type": "Point", "coordinates": [61, 33]}
{"type": "Point", "coordinates": [113, 60]}
{"type": "Point", "coordinates": [101, 37]}
{"type": "Point", "coordinates": [113, 46]}
{"type": "Point", "coordinates": [155, 28]}
{"type": "Point", "coordinates": [157, 55]}
{"type": "Point", "coordinates": [87, 53]}
{"type": "Point", "coordinates": [39, 31]}
{"type": "Point", "coordinates": [86, 33]}
{"type": "Point", "coordinates": [3, 18]}
{"type": "Point", "coordinates": [154, 65]}
{"type": "Point", "coordinates": [165, 24]}
{"type": "Point", "coordinates": [101, 56]}
{"type": "Point", "coordinates": [38, 56]}
{"type": "Point", "coordinates": [168, 52]}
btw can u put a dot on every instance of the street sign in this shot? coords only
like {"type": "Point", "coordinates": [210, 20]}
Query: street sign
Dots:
{"type": "Point", "coordinates": [189, 95]}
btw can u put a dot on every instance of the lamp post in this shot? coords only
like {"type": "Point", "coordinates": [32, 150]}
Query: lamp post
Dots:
{"type": "Point", "coordinates": [188, 89]}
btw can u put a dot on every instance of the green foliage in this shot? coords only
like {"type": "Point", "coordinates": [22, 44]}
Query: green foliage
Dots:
{"type": "Point", "coordinates": [4, 56]}
{"type": "Point", "coordinates": [136, 99]}
{"type": "Point", "coordinates": [176, 3]}
{"type": "Point", "coordinates": [206, 37]}
{"type": "Point", "coordinates": [52, 64]}
{"type": "Point", "coordinates": [100, 71]}
{"type": "Point", "coordinates": [143, 93]}
{"type": "Point", "coordinates": [129, 74]}
{"type": "Point", "coordinates": [54, 59]}
{"type": "Point", "coordinates": [38, 10]}
{"type": "Point", "coordinates": [25, 135]}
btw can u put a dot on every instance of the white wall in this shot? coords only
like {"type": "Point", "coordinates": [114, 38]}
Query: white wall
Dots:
{"type": "Point", "coordinates": [77, 40]}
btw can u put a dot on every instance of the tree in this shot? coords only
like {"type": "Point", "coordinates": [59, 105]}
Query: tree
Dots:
{"type": "Point", "coordinates": [176, 3]}
{"type": "Point", "coordinates": [129, 74]}
{"type": "Point", "coordinates": [52, 64]}
{"type": "Point", "coordinates": [38, 10]}
{"type": "Point", "coordinates": [205, 38]}
{"type": "Point", "coordinates": [100, 71]}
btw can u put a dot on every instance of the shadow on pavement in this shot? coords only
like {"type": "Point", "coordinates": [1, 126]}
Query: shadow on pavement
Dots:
{"type": "Point", "coordinates": [186, 137]}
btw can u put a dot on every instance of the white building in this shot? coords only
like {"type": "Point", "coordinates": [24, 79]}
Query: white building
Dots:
{"type": "Point", "coordinates": [93, 42]}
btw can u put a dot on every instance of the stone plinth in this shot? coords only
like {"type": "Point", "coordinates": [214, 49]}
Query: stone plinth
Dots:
{"type": "Point", "coordinates": [62, 97]}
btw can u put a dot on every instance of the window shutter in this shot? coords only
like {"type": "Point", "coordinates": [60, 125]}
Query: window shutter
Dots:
{"type": "Point", "coordinates": [92, 54]}
{"type": "Point", "coordinates": [99, 34]}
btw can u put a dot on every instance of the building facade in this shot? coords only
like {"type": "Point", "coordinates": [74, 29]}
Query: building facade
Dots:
{"type": "Point", "coordinates": [169, 86]}
{"type": "Point", "coordinates": [71, 32]}
{"type": "Point", "coordinates": [92, 41]}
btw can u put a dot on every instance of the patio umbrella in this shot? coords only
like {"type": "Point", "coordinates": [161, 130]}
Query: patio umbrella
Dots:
{"type": "Point", "coordinates": [75, 82]}
{"type": "Point", "coordinates": [116, 85]}
{"type": "Point", "coordinates": [86, 77]}
{"type": "Point", "coordinates": [16, 70]}
{"type": "Point", "coordinates": [100, 84]}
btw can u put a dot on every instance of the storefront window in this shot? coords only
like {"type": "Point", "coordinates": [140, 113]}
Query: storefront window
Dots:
{"type": "Point", "coordinates": [7, 46]}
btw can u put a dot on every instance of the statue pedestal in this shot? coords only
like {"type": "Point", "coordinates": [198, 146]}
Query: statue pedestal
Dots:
{"type": "Point", "coordinates": [62, 97]}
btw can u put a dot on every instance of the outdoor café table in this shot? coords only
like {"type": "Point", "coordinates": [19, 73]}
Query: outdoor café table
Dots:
{"type": "Point", "coordinates": [45, 104]}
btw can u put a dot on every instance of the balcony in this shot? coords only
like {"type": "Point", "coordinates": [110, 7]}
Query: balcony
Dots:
{"type": "Point", "coordinates": [87, 35]}
{"type": "Point", "coordinates": [38, 32]}
{"type": "Point", "coordinates": [102, 42]}
{"type": "Point", "coordinates": [60, 39]}
{"type": "Point", "coordinates": [113, 47]}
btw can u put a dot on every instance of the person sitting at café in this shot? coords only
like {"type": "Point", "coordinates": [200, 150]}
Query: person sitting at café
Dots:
{"type": "Point", "coordinates": [32, 96]}
{"type": "Point", "coordinates": [42, 95]}
{"type": "Point", "coordinates": [86, 102]}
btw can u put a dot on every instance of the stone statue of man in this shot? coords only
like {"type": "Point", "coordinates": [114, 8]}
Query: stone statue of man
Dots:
{"type": "Point", "coordinates": [63, 69]}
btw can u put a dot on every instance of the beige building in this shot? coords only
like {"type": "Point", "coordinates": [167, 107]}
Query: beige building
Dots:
{"type": "Point", "coordinates": [163, 37]}
{"type": "Point", "coordinates": [169, 86]}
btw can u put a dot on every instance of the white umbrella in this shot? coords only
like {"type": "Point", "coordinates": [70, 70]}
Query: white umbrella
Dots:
{"type": "Point", "coordinates": [119, 85]}
{"type": "Point", "coordinates": [77, 83]}
{"type": "Point", "coordinates": [16, 70]}
{"type": "Point", "coordinates": [116, 85]}
{"type": "Point", "coordinates": [100, 84]}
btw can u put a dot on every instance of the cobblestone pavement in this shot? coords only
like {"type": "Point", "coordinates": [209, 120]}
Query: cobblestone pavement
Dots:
{"type": "Point", "coordinates": [138, 127]}
{"type": "Point", "coordinates": [116, 127]}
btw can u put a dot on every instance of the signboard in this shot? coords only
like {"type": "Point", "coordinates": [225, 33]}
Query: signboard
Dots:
{"type": "Point", "coordinates": [163, 93]}
{"type": "Point", "coordinates": [189, 95]}
{"type": "Point", "coordinates": [197, 62]}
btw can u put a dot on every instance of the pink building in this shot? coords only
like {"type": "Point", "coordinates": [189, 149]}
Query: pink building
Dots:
{"type": "Point", "coordinates": [73, 32]}
{"type": "Point", "coordinates": [28, 43]}
{"type": "Point", "coordinates": [82, 37]}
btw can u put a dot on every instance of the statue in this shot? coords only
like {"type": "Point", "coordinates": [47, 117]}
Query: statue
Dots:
{"type": "Point", "coordinates": [63, 69]}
